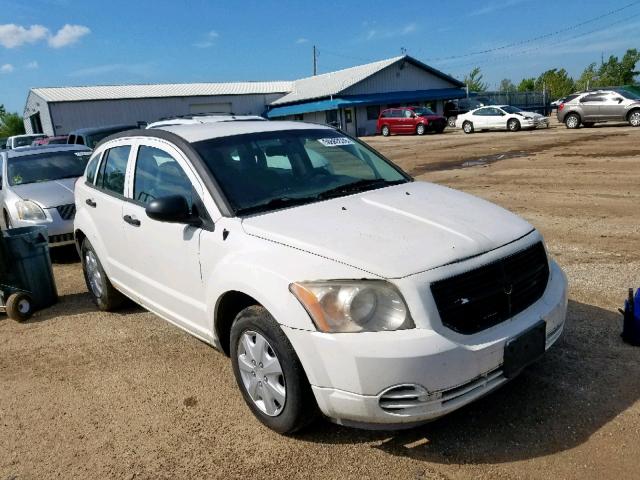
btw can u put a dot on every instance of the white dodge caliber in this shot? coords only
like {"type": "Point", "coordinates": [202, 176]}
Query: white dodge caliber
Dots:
{"type": "Point", "coordinates": [336, 283]}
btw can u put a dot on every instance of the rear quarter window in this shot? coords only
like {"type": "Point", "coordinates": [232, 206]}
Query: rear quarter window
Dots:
{"type": "Point", "coordinates": [92, 168]}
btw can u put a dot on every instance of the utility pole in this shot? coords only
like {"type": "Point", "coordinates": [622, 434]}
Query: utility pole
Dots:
{"type": "Point", "coordinates": [315, 61]}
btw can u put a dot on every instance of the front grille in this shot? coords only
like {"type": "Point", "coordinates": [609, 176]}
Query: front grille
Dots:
{"type": "Point", "coordinates": [476, 300]}
{"type": "Point", "coordinates": [67, 212]}
{"type": "Point", "coordinates": [65, 237]}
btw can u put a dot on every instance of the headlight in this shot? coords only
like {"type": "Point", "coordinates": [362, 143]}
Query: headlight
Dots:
{"type": "Point", "coordinates": [28, 210]}
{"type": "Point", "coordinates": [353, 306]}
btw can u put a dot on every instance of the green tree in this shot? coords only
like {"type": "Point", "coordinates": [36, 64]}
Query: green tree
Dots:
{"type": "Point", "coordinates": [527, 85]}
{"type": "Point", "coordinates": [10, 124]}
{"type": "Point", "coordinates": [612, 72]}
{"type": "Point", "coordinates": [557, 83]}
{"type": "Point", "coordinates": [507, 86]}
{"type": "Point", "coordinates": [474, 81]}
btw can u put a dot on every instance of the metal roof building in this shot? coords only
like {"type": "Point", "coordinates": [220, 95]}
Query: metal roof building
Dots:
{"type": "Point", "coordinates": [351, 97]}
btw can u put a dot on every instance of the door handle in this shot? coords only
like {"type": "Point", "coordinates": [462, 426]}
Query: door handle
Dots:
{"type": "Point", "coordinates": [91, 203]}
{"type": "Point", "coordinates": [131, 221]}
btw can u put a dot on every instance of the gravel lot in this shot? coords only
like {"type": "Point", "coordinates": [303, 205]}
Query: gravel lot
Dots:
{"type": "Point", "coordinates": [85, 394]}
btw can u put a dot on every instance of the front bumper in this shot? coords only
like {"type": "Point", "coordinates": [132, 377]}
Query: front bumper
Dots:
{"type": "Point", "coordinates": [60, 231]}
{"type": "Point", "coordinates": [353, 375]}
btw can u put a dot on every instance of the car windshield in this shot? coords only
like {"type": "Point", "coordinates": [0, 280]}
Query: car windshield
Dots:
{"type": "Point", "coordinates": [422, 111]}
{"type": "Point", "coordinates": [93, 140]}
{"type": "Point", "coordinates": [510, 109]}
{"type": "Point", "coordinates": [24, 141]}
{"type": "Point", "coordinates": [45, 167]}
{"type": "Point", "coordinates": [265, 171]}
{"type": "Point", "coordinates": [628, 94]}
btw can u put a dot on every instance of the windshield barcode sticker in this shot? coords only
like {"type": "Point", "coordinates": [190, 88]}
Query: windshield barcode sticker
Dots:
{"type": "Point", "coordinates": [335, 141]}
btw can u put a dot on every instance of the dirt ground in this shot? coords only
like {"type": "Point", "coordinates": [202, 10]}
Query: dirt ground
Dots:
{"type": "Point", "coordinates": [85, 394]}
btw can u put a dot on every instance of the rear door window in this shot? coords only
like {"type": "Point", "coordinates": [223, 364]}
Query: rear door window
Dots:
{"type": "Point", "coordinates": [113, 170]}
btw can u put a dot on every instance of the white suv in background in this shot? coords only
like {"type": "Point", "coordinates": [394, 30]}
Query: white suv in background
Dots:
{"type": "Point", "coordinates": [338, 286]}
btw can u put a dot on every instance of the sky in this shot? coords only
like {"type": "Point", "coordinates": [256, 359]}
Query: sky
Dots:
{"type": "Point", "coordinates": [66, 42]}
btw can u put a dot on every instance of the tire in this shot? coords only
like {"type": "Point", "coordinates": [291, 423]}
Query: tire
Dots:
{"type": "Point", "coordinates": [467, 127]}
{"type": "Point", "coordinates": [572, 121]}
{"type": "Point", "coordinates": [513, 125]}
{"type": "Point", "coordinates": [385, 131]}
{"type": "Point", "coordinates": [588, 124]}
{"type": "Point", "coordinates": [634, 118]}
{"type": "Point", "coordinates": [7, 221]}
{"type": "Point", "coordinates": [440, 130]}
{"type": "Point", "coordinates": [19, 306]}
{"type": "Point", "coordinates": [290, 405]}
{"type": "Point", "coordinates": [451, 121]}
{"type": "Point", "coordinates": [420, 129]}
{"type": "Point", "coordinates": [102, 292]}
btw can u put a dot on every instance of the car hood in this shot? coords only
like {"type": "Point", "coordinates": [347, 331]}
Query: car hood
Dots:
{"type": "Point", "coordinates": [394, 231]}
{"type": "Point", "coordinates": [529, 115]}
{"type": "Point", "coordinates": [47, 194]}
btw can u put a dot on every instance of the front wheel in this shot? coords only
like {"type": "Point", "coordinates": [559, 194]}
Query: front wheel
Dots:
{"type": "Point", "coordinates": [467, 127]}
{"type": "Point", "coordinates": [102, 292]}
{"type": "Point", "coordinates": [269, 373]}
{"type": "Point", "coordinates": [420, 129]}
{"type": "Point", "coordinates": [634, 118]}
{"type": "Point", "coordinates": [451, 121]}
{"type": "Point", "coordinates": [385, 131]}
{"type": "Point", "coordinates": [513, 125]}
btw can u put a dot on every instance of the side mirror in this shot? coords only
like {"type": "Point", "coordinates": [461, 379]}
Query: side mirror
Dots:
{"type": "Point", "coordinates": [620, 100]}
{"type": "Point", "coordinates": [172, 209]}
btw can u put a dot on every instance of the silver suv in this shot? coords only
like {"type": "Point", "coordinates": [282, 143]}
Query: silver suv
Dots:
{"type": "Point", "coordinates": [588, 108]}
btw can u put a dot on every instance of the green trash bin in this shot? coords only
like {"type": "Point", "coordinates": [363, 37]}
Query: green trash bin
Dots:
{"type": "Point", "coordinates": [26, 275]}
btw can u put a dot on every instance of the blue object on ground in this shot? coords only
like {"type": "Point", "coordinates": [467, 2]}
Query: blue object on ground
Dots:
{"type": "Point", "coordinates": [631, 326]}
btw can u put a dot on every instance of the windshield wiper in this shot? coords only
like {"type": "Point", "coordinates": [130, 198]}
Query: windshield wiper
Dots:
{"type": "Point", "coordinates": [275, 203]}
{"type": "Point", "coordinates": [358, 186]}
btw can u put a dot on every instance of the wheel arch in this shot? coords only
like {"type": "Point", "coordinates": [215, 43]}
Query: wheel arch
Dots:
{"type": "Point", "coordinates": [631, 111]}
{"type": "Point", "coordinates": [228, 306]}
{"type": "Point", "coordinates": [572, 112]}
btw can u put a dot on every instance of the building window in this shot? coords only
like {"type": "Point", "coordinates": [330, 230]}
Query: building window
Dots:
{"type": "Point", "coordinates": [373, 112]}
{"type": "Point", "coordinates": [331, 117]}
{"type": "Point", "coordinates": [347, 116]}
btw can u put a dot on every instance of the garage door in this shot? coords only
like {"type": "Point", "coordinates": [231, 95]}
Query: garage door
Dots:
{"type": "Point", "coordinates": [199, 108]}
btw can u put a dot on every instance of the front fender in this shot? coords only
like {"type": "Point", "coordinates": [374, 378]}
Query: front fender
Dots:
{"type": "Point", "coordinates": [264, 270]}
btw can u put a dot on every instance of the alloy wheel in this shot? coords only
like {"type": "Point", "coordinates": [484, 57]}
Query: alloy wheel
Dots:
{"type": "Point", "coordinates": [261, 373]}
{"type": "Point", "coordinates": [93, 273]}
{"type": "Point", "coordinates": [572, 121]}
{"type": "Point", "coordinates": [634, 119]}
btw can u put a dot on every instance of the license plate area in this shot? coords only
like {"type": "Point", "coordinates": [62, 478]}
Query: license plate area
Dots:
{"type": "Point", "coordinates": [524, 349]}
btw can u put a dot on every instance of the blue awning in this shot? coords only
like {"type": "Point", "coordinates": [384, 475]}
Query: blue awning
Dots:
{"type": "Point", "coordinates": [364, 100]}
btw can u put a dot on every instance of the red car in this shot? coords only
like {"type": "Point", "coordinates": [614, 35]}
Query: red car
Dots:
{"type": "Point", "coordinates": [62, 139]}
{"type": "Point", "coordinates": [409, 120]}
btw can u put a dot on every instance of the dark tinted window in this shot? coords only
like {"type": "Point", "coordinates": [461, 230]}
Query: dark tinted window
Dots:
{"type": "Point", "coordinates": [113, 170]}
{"type": "Point", "coordinates": [79, 140]}
{"type": "Point", "coordinates": [570, 98]}
{"type": "Point", "coordinates": [592, 98]}
{"type": "Point", "coordinates": [373, 112]}
{"type": "Point", "coordinates": [482, 112]}
{"type": "Point", "coordinates": [396, 113]}
{"type": "Point", "coordinates": [421, 111]}
{"type": "Point", "coordinates": [158, 174]}
{"type": "Point", "coordinates": [71, 139]}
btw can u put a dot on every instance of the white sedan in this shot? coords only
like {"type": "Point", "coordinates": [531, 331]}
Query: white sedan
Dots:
{"type": "Point", "coordinates": [500, 117]}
